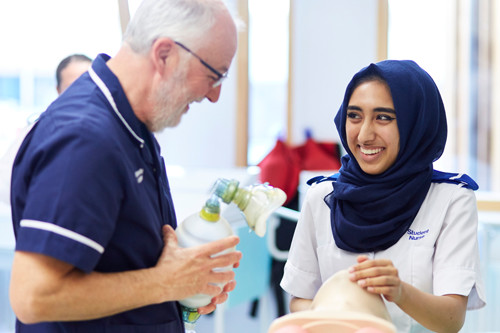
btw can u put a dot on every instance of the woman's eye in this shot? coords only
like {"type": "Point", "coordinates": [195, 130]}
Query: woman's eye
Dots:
{"type": "Point", "coordinates": [385, 117]}
{"type": "Point", "coordinates": [352, 115]}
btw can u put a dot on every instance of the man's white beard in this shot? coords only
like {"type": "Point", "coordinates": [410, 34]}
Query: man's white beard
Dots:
{"type": "Point", "coordinates": [169, 102]}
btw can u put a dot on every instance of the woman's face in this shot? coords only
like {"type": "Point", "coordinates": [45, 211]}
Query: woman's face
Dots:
{"type": "Point", "coordinates": [372, 128]}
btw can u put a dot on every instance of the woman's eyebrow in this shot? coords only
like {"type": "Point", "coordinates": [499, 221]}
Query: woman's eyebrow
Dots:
{"type": "Point", "coordinates": [378, 109]}
{"type": "Point", "coordinates": [382, 109]}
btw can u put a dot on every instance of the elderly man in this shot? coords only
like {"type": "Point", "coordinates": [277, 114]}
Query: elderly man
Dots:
{"type": "Point", "coordinates": [92, 211]}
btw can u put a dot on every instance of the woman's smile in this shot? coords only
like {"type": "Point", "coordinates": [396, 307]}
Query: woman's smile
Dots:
{"type": "Point", "coordinates": [370, 151]}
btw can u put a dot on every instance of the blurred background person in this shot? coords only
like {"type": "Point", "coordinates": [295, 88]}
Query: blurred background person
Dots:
{"type": "Point", "coordinates": [68, 70]}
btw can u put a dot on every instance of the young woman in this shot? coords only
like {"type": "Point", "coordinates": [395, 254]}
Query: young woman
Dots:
{"type": "Point", "coordinates": [404, 230]}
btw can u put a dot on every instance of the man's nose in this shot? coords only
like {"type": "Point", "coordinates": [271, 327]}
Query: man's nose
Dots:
{"type": "Point", "coordinates": [213, 94]}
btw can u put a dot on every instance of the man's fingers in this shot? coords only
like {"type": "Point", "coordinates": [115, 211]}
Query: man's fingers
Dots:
{"type": "Point", "coordinates": [212, 289]}
{"type": "Point", "coordinates": [228, 259]}
{"type": "Point", "coordinates": [206, 309]}
{"type": "Point", "coordinates": [221, 277]}
{"type": "Point", "coordinates": [220, 245]}
{"type": "Point", "coordinates": [229, 286]}
{"type": "Point", "coordinates": [218, 299]}
{"type": "Point", "coordinates": [221, 298]}
{"type": "Point", "coordinates": [169, 236]}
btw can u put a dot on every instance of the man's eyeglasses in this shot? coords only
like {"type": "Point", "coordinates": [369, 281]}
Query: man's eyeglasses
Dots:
{"type": "Point", "coordinates": [220, 76]}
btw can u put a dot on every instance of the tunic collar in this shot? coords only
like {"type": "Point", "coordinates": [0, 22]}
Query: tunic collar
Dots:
{"type": "Point", "coordinates": [110, 86]}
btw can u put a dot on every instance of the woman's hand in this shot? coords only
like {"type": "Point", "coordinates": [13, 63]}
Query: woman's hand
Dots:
{"type": "Point", "coordinates": [378, 276]}
{"type": "Point", "coordinates": [444, 313]}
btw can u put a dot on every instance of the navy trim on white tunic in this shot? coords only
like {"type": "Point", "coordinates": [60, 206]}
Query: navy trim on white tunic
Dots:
{"type": "Point", "coordinates": [460, 179]}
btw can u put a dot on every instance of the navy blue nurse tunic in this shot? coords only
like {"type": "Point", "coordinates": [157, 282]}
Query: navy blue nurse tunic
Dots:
{"type": "Point", "coordinates": [89, 187]}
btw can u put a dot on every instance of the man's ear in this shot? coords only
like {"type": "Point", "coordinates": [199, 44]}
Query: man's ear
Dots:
{"type": "Point", "coordinates": [161, 53]}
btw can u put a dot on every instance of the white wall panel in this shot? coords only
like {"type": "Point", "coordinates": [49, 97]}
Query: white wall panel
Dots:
{"type": "Point", "coordinates": [332, 40]}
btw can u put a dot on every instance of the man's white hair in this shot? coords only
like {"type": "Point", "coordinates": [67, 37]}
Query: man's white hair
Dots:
{"type": "Point", "coordinates": [186, 21]}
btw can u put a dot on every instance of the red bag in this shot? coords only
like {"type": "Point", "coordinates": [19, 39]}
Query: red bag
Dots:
{"type": "Point", "coordinates": [281, 169]}
{"type": "Point", "coordinates": [317, 156]}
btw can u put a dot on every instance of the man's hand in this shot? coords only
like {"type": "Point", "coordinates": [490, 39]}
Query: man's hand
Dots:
{"type": "Point", "coordinates": [189, 271]}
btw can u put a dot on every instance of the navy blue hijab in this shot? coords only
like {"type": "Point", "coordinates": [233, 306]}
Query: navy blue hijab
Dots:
{"type": "Point", "coordinates": [372, 212]}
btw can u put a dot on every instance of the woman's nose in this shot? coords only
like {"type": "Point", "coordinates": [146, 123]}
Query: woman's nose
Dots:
{"type": "Point", "coordinates": [366, 132]}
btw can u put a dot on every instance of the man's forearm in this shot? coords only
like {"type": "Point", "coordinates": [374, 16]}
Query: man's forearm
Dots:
{"type": "Point", "coordinates": [45, 289]}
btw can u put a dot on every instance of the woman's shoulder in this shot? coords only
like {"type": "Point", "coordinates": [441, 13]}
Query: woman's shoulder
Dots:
{"type": "Point", "coordinates": [320, 185]}
{"type": "Point", "coordinates": [313, 194]}
{"type": "Point", "coordinates": [447, 187]}
{"type": "Point", "coordinates": [444, 189]}
{"type": "Point", "coordinates": [439, 193]}
{"type": "Point", "coordinates": [459, 179]}
{"type": "Point", "coordinates": [442, 196]}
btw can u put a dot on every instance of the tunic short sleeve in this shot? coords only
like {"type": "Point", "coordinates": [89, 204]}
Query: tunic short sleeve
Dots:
{"type": "Point", "coordinates": [71, 205]}
{"type": "Point", "coordinates": [302, 276]}
{"type": "Point", "coordinates": [456, 258]}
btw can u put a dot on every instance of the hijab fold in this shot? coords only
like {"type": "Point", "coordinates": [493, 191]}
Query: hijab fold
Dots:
{"type": "Point", "coordinates": [372, 212]}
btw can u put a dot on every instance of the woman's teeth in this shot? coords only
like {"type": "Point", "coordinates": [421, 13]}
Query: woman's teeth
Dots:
{"type": "Point", "coordinates": [370, 151]}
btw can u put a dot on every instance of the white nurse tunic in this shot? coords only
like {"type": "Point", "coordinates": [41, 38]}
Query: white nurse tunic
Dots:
{"type": "Point", "coordinates": [439, 253]}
